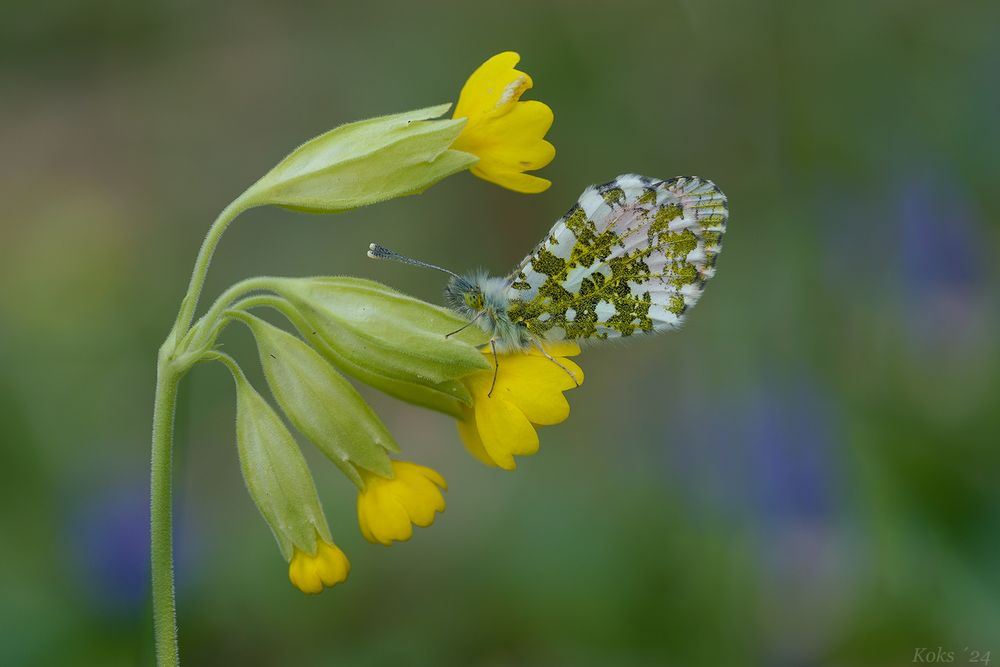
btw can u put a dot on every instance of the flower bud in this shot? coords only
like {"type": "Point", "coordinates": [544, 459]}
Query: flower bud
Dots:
{"type": "Point", "coordinates": [365, 162]}
{"type": "Point", "coordinates": [383, 337]}
{"type": "Point", "coordinates": [276, 474]}
{"type": "Point", "coordinates": [311, 573]}
{"type": "Point", "coordinates": [321, 403]}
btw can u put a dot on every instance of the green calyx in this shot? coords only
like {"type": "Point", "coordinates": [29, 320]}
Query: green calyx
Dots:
{"type": "Point", "coordinates": [442, 397]}
{"type": "Point", "coordinates": [365, 162]}
{"type": "Point", "coordinates": [320, 403]}
{"type": "Point", "coordinates": [384, 337]}
{"type": "Point", "coordinates": [274, 470]}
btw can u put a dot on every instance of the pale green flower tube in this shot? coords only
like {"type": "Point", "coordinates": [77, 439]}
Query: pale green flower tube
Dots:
{"type": "Point", "coordinates": [280, 484]}
{"type": "Point", "coordinates": [382, 329]}
{"type": "Point", "coordinates": [321, 403]}
{"type": "Point", "coordinates": [365, 162]}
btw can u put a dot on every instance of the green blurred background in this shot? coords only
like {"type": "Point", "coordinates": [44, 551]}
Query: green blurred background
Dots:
{"type": "Point", "coordinates": [806, 474]}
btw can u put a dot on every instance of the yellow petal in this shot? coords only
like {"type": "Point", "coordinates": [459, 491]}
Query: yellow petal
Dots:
{"type": "Point", "coordinates": [558, 373]}
{"type": "Point", "coordinates": [389, 507]}
{"type": "Point", "coordinates": [311, 573]}
{"type": "Point", "coordinates": [507, 135]}
{"type": "Point", "coordinates": [563, 348]}
{"type": "Point", "coordinates": [535, 384]}
{"type": "Point", "coordinates": [514, 140]}
{"type": "Point", "coordinates": [528, 392]}
{"type": "Point", "coordinates": [504, 431]}
{"type": "Point", "coordinates": [332, 565]}
{"type": "Point", "coordinates": [414, 473]}
{"type": "Point", "coordinates": [469, 433]}
{"type": "Point", "coordinates": [366, 531]}
{"type": "Point", "coordinates": [492, 88]}
{"type": "Point", "coordinates": [387, 520]}
{"type": "Point", "coordinates": [517, 182]}
{"type": "Point", "coordinates": [302, 574]}
{"type": "Point", "coordinates": [511, 144]}
{"type": "Point", "coordinates": [418, 495]}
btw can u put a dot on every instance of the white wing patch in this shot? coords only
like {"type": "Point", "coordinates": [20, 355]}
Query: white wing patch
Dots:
{"type": "Point", "coordinates": [632, 256]}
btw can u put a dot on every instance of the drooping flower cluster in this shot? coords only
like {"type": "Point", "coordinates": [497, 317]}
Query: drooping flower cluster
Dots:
{"type": "Point", "coordinates": [397, 344]}
{"type": "Point", "coordinates": [378, 336]}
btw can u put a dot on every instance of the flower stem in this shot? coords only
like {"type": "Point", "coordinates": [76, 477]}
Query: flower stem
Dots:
{"type": "Point", "coordinates": [190, 302]}
{"type": "Point", "coordinates": [160, 514]}
{"type": "Point", "coordinates": [206, 329]}
{"type": "Point", "coordinates": [171, 366]}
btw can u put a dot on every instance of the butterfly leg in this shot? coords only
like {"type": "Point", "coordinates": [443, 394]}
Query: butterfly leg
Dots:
{"type": "Point", "coordinates": [550, 358]}
{"type": "Point", "coordinates": [496, 367]}
{"type": "Point", "coordinates": [463, 328]}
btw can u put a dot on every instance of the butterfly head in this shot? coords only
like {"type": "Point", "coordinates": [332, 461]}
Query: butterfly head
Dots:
{"type": "Point", "coordinates": [477, 295]}
{"type": "Point", "coordinates": [464, 294]}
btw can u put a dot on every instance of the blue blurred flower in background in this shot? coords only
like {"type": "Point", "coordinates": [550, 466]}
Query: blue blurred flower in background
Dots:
{"type": "Point", "coordinates": [792, 470]}
{"type": "Point", "coordinates": [769, 458]}
{"type": "Point", "coordinates": [769, 451]}
{"type": "Point", "coordinates": [110, 535]}
{"type": "Point", "coordinates": [940, 258]}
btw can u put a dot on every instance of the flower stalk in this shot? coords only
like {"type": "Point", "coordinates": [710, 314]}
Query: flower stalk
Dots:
{"type": "Point", "coordinates": [381, 337]}
{"type": "Point", "coordinates": [190, 301]}
{"type": "Point", "coordinates": [173, 362]}
{"type": "Point", "coordinates": [160, 513]}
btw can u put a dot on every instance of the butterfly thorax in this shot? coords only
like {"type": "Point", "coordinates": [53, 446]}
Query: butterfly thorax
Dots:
{"type": "Point", "coordinates": [484, 298]}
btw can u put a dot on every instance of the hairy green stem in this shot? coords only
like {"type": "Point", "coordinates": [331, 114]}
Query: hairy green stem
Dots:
{"type": "Point", "coordinates": [160, 514]}
{"type": "Point", "coordinates": [190, 302]}
{"type": "Point", "coordinates": [228, 362]}
{"type": "Point", "coordinates": [207, 328]}
{"type": "Point", "coordinates": [173, 363]}
{"type": "Point", "coordinates": [275, 302]}
{"type": "Point", "coordinates": [224, 309]}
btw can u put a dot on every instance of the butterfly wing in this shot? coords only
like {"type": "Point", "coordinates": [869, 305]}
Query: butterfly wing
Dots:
{"type": "Point", "coordinates": [632, 256]}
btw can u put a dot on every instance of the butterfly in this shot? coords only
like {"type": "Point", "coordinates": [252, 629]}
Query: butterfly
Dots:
{"type": "Point", "coordinates": [631, 257]}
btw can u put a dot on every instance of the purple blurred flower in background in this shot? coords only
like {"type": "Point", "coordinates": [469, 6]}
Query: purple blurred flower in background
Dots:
{"type": "Point", "coordinates": [770, 459]}
{"type": "Point", "coordinates": [940, 253]}
{"type": "Point", "coordinates": [792, 470]}
{"type": "Point", "coordinates": [938, 237]}
{"type": "Point", "coordinates": [919, 254]}
{"type": "Point", "coordinates": [109, 530]}
{"type": "Point", "coordinates": [770, 451]}
{"type": "Point", "coordinates": [110, 533]}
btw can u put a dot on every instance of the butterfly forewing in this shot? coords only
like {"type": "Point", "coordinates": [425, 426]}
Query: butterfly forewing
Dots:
{"type": "Point", "coordinates": [632, 256]}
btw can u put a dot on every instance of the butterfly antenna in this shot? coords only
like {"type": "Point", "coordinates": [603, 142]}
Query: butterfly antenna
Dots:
{"type": "Point", "coordinates": [376, 251]}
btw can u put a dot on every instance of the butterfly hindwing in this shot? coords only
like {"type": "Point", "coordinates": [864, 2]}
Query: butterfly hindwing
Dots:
{"type": "Point", "coordinates": [632, 256]}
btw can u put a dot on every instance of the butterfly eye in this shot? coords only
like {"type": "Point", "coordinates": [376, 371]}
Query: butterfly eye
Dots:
{"type": "Point", "coordinates": [474, 300]}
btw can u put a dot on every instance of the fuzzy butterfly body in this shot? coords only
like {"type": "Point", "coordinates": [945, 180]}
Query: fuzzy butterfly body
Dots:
{"type": "Point", "coordinates": [631, 257]}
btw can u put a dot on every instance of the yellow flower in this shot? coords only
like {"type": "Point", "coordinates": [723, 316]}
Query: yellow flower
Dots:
{"type": "Point", "coordinates": [528, 393]}
{"type": "Point", "coordinates": [387, 507]}
{"type": "Point", "coordinates": [506, 134]}
{"type": "Point", "coordinates": [327, 567]}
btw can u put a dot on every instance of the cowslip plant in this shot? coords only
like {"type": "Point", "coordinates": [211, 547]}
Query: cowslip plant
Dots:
{"type": "Point", "coordinates": [361, 329]}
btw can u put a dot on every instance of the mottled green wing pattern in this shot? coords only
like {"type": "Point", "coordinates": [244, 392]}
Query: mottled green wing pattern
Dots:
{"type": "Point", "coordinates": [632, 256]}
